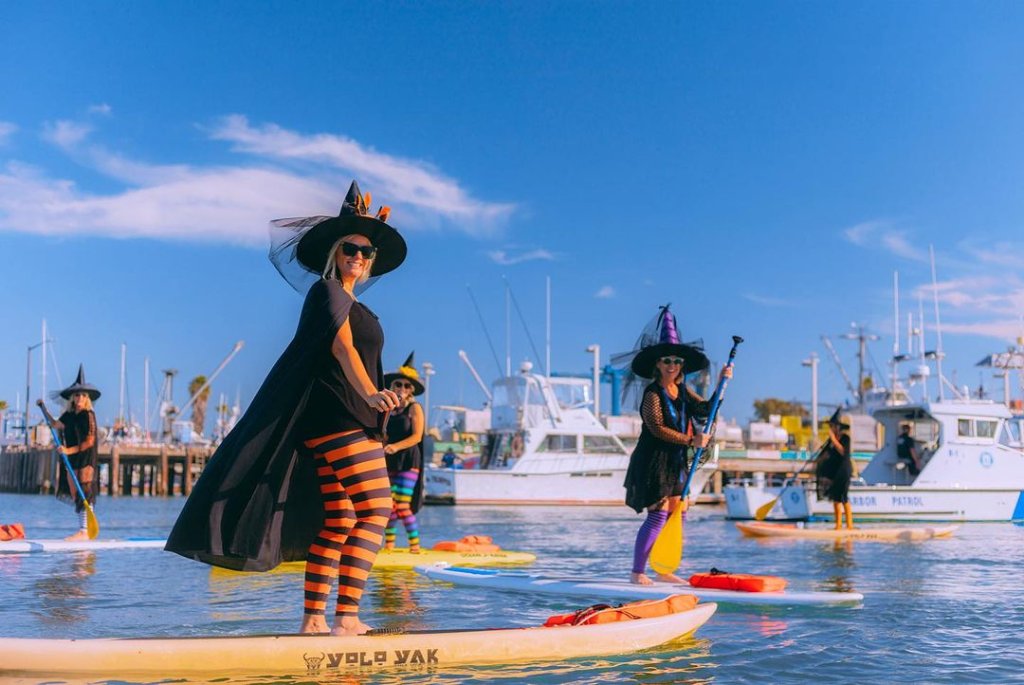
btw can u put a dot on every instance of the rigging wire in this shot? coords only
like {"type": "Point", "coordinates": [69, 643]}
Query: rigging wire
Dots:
{"type": "Point", "coordinates": [487, 334]}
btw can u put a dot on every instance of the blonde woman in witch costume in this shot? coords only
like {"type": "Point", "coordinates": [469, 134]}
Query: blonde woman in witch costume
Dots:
{"type": "Point", "coordinates": [669, 409]}
{"type": "Point", "coordinates": [77, 429]}
{"type": "Point", "coordinates": [835, 469]}
{"type": "Point", "coordinates": [302, 476]}
{"type": "Point", "coordinates": [404, 452]}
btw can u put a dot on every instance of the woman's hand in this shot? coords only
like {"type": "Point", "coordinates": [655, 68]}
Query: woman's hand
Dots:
{"type": "Point", "coordinates": [701, 440]}
{"type": "Point", "coordinates": [383, 400]}
{"type": "Point", "coordinates": [64, 450]}
{"type": "Point", "coordinates": [389, 449]}
{"type": "Point", "coordinates": [727, 371]}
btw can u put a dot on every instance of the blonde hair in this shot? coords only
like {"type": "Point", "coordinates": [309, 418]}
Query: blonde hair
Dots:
{"type": "Point", "coordinates": [330, 272]}
{"type": "Point", "coordinates": [86, 405]}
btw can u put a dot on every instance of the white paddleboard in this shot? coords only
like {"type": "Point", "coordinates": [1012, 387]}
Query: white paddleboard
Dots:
{"type": "Point", "coordinates": [29, 546]}
{"type": "Point", "coordinates": [762, 529]}
{"type": "Point", "coordinates": [613, 588]}
{"type": "Point", "coordinates": [324, 655]}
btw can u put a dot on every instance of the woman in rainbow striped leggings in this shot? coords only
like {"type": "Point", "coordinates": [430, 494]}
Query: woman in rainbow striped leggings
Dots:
{"type": "Point", "coordinates": [405, 454]}
{"type": "Point", "coordinates": [314, 428]}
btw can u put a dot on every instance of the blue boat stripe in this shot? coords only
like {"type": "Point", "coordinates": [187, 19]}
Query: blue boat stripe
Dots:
{"type": "Point", "coordinates": [1018, 511]}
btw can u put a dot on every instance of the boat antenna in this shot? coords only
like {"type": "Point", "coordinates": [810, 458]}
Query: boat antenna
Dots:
{"type": "Point", "coordinates": [547, 329]}
{"type": "Point", "coordinates": [522, 320]}
{"type": "Point", "coordinates": [938, 322]}
{"type": "Point", "coordinates": [895, 329]}
{"type": "Point", "coordinates": [490, 343]}
{"type": "Point", "coordinates": [483, 386]}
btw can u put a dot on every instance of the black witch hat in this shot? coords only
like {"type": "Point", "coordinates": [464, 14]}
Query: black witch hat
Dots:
{"type": "Point", "coordinates": [837, 419]}
{"type": "Point", "coordinates": [80, 386]}
{"type": "Point", "coordinates": [408, 372]}
{"type": "Point", "coordinates": [306, 242]}
{"type": "Point", "coordinates": [667, 344]}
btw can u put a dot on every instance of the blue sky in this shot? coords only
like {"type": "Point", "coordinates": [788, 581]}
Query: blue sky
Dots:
{"type": "Point", "coordinates": [763, 166]}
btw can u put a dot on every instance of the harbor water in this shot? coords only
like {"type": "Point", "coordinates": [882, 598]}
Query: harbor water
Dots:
{"type": "Point", "coordinates": [942, 611]}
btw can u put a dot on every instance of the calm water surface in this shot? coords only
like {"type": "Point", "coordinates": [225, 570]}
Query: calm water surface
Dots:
{"type": "Point", "coordinates": [949, 611]}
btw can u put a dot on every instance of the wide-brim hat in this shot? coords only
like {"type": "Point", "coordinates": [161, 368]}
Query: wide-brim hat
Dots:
{"type": "Point", "coordinates": [315, 245]}
{"type": "Point", "coordinates": [80, 386]}
{"type": "Point", "coordinates": [408, 372]}
{"type": "Point", "coordinates": [693, 358]}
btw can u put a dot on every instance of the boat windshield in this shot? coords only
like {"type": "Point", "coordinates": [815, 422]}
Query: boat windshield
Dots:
{"type": "Point", "coordinates": [571, 394]}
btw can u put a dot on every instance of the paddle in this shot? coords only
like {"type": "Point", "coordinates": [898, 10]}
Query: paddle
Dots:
{"type": "Point", "coordinates": [667, 551]}
{"type": "Point", "coordinates": [762, 511]}
{"type": "Point", "coordinates": [92, 524]}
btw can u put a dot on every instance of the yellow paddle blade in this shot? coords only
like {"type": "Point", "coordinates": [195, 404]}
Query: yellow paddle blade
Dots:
{"type": "Point", "coordinates": [667, 551]}
{"type": "Point", "coordinates": [762, 511]}
{"type": "Point", "coordinates": [91, 522]}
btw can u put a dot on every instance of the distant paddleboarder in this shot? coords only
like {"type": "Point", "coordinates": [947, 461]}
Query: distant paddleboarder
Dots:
{"type": "Point", "coordinates": [302, 476]}
{"type": "Point", "coordinates": [404, 452]}
{"type": "Point", "coordinates": [835, 469]}
{"type": "Point", "coordinates": [669, 409]}
{"type": "Point", "coordinates": [77, 430]}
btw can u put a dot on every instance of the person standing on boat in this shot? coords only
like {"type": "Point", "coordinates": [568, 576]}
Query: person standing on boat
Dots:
{"type": "Point", "coordinates": [835, 469]}
{"type": "Point", "coordinates": [313, 428]}
{"type": "Point", "coordinates": [662, 454]}
{"type": "Point", "coordinates": [77, 430]}
{"type": "Point", "coordinates": [404, 451]}
{"type": "Point", "coordinates": [906, 450]}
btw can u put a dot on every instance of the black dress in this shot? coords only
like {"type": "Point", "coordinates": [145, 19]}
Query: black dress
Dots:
{"type": "Point", "coordinates": [78, 427]}
{"type": "Point", "coordinates": [399, 428]}
{"type": "Point", "coordinates": [834, 471]}
{"type": "Point", "coordinates": [658, 460]}
{"type": "Point", "coordinates": [254, 505]}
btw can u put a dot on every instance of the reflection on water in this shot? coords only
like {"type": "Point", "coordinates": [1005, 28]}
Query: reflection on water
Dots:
{"type": "Point", "coordinates": [63, 593]}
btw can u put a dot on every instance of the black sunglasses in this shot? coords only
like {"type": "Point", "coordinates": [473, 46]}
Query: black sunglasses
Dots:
{"type": "Point", "coordinates": [670, 360]}
{"type": "Point", "coordinates": [402, 384]}
{"type": "Point", "coordinates": [351, 250]}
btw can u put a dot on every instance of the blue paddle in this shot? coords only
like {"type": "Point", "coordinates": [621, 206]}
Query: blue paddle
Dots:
{"type": "Point", "coordinates": [92, 523]}
{"type": "Point", "coordinates": [667, 551]}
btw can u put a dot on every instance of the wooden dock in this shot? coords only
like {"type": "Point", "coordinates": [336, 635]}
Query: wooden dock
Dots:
{"type": "Point", "coordinates": [148, 470]}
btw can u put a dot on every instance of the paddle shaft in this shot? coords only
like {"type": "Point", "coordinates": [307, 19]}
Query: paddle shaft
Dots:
{"type": "Point", "coordinates": [716, 401]}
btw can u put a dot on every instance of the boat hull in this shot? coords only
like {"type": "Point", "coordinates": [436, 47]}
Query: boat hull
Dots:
{"type": "Point", "coordinates": [883, 503]}
{"type": "Point", "coordinates": [596, 487]}
{"type": "Point", "coordinates": [318, 655]}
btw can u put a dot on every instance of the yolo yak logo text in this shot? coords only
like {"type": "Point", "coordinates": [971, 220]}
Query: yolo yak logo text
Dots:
{"type": "Point", "coordinates": [399, 657]}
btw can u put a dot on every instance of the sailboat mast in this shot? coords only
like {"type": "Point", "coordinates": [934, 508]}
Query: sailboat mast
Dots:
{"type": "Point", "coordinates": [547, 327]}
{"type": "Point", "coordinates": [145, 397]}
{"type": "Point", "coordinates": [938, 322]}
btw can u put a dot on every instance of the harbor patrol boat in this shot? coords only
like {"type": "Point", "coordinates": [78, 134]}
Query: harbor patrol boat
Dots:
{"type": "Point", "coordinates": [972, 470]}
{"type": "Point", "coordinates": [545, 446]}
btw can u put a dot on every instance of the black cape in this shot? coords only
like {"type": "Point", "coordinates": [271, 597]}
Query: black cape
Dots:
{"type": "Point", "coordinates": [78, 426]}
{"type": "Point", "coordinates": [834, 470]}
{"type": "Point", "coordinates": [253, 506]}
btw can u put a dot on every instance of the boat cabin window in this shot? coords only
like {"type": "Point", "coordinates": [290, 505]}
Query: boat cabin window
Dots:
{"type": "Point", "coordinates": [1010, 435]}
{"type": "Point", "coordinates": [976, 428]}
{"type": "Point", "coordinates": [571, 395]}
{"type": "Point", "coordinates": [601, 444]}
{"type": "Point", "coordinates": [559, 443]}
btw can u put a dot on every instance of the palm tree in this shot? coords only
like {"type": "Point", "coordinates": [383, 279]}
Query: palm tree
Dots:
{"type": "Point", "coordinates": [199, 406]}
{"type": "Point", "coordinates": [3, 410]}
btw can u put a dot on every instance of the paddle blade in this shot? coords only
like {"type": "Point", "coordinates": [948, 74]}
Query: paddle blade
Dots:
{"type": "Point", "coordinates": [667, 551]}
{"type": "Point", "coordinates": [91, 522]}
{"type": "Point", "coordinates": [762, 511]}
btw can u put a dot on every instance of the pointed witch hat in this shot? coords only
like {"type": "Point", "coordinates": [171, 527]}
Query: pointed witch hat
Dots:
{"type": "Point", "coordinates": [408, 372]}
{"type": "Point", "coordinates": [80, 386]}
{"type": "Point", "coordinates": [353, 219]}
{"type": "Point", "coordinates": [838, 419]}
{"type": "Point", "coordinates": [666, 344]}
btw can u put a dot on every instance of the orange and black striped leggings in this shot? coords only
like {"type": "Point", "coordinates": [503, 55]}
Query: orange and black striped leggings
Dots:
{"type": "Point", "coordinates": [357, 502]}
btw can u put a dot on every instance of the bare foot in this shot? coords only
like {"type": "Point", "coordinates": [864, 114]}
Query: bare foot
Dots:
{"type": "Point", "coordinates": [349, 625]}
{"type": "Point", "coordinates": [390, 546]}
{"type": "Point", "coordinates": [640, 579]}
{"type": "Point", "coordinates": [313, 625]}
{"type": "Point", "coordinates": [80, 535]}
{"type": "Point", "coordinates": [671, 578]}
{"type": "Point", "coordinates": [414, 550]}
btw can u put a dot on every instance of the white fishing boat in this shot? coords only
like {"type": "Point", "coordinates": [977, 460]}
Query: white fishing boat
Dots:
{"type": "Point", "coordinates": [545, 446]}
{"type": "Point", "coordinates": [973, 470]}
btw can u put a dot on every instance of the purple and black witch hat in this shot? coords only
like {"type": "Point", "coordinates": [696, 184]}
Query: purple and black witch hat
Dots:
{"type": "Point", "coordinates": [663, 341]}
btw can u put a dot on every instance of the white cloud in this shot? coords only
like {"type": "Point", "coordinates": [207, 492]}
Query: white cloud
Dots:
{"type": "Point", "coordinates": [101, 108]}
{"type": "Point", "coordinates": [605, 292]}
{"type": "Point", "coordinates": [7, 129]}
{"type": "Point", "coordinates": [506, 258]}
{"type": "Point", "coordinates": [229, 203]}
{"type": "Point", "coordinates": [998, 254]}
{"type": "Point", "coordinates": [66, 134]}
{"type": "Point", "coordinates": [881, 233]}
{"type": "Point", "coordinates": [413, 183]}
{"type": "Point", "coordinates": [768, 301]}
